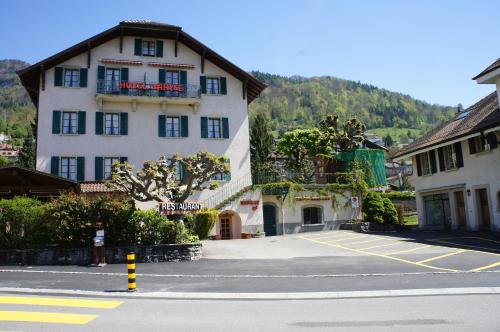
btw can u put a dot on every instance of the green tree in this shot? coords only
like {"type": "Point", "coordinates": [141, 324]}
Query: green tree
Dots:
{"type": "Point", "coordinates": [4, 162]}
{"type": "Point", "coordinates": [373, 207]}
{"type": "Point", "coordinates": [388, 140]}
{"type": "Point", "coordinates": [261, 144]}
{"type": "Point", "coordinates": [26, 157]}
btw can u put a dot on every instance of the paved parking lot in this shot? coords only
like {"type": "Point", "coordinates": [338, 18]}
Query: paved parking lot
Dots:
{"type": "Point", "coordinates": [434, 251]}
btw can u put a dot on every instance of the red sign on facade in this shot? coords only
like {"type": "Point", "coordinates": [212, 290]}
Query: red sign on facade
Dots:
{"type": "Point", "coordinates": [151, 86]}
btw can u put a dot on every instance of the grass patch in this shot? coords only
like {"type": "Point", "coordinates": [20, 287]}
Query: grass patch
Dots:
{"type": "Point", "coordinates": [394, 132]}
{"type": "Point", "coordinates": [411, 220]}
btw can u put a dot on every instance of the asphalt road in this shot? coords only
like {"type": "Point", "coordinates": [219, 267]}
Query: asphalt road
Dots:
{"type": "Point", "coordinates": [429, 313]}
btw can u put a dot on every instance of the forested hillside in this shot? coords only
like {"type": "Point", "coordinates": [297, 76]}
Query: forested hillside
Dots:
{"type": "Point", "coordinates": [16, 109]}
{"type": "Point", "coordinates": [298, 102]}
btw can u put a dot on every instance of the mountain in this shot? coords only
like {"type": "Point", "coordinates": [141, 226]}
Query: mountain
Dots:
{"type": "Point", "coordinates": [299, 102]}
{"type": "Point", "coordinates": [16, 109]}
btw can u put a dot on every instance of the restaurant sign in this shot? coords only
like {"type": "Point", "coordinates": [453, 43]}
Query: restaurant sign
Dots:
{"type": "Point", "coordinates": [172, 208]}
{"type": "Point", "coordinates": [151, 86]}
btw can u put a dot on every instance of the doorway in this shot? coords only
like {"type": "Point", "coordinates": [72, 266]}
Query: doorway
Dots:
{"type": "Point", "coordinates": [225, 227]}
{"type": "Point", "coordinates": [437, 211]}
{"type": "Point", "coordinates": [269, 212]}
{"type": "Point", "coordinates": [483, 209]}
{"type": "Point", "coordinates": [461, 213]}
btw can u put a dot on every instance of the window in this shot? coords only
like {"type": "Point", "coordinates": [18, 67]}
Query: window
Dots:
{"type": "Point", "coordinates": [68, 168]}
{"type": "Point", "coordinates": [112, 79]}
{"type": "Point", "coordinates": [212, 85]}
{"type": "Point", "coordinates": [112, 124]}
{"type": "Point", "coordinates": [173, 126]}
{"type": "Point", "coordinates": [70, 123]}
{"type": "Point", "coordinates": [214, 128]}
{"type": "Point", "coordinates": [148, 48]}
{"type": "Point", "coordinates": [450, 159]}
{"type": "Point", "coordinates": [218, 177]}
{"type": "Point", "coordinates": [312, 215]}
{"type": "Point", "coordinates": [179, 173]}
{"type": "Point", "coordinates": [425, 163]}
{"type": "Point", "coordinates": [71, 78]}
{"type": "Point", "coordinates": [479, 144]}
{"type": "Point", "coordinates": [172, 77]}
{"type": "Point", "coordinates": [108, 162]}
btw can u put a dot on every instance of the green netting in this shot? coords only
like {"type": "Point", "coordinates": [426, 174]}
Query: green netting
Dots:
{"type": "Point", "coordinates": [372, 162]}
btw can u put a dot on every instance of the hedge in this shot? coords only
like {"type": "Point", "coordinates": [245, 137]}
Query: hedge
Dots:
{"type": "Point", "coordinates": [399, 195]}
{"type": "Point", "coordinates": [201, 223]}
{"type": "Point", "coordinates": [379, 209]}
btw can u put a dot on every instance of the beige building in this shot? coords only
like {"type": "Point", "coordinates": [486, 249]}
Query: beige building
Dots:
{"type": "Point", "coordinates": [456, 166]}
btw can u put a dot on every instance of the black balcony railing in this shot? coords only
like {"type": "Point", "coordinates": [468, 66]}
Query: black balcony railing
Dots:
{"type": "Point", "coordinates": [124, 88]}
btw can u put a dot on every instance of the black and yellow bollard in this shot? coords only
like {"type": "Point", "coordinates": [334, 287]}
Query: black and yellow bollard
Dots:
{"type": "Point", "coordinates": [131, 272]}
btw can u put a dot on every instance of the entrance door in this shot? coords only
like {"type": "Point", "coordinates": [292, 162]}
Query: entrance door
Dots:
{"type": "Point", "coordinates": [460, 202]}
{"type": "Point", "coordinates": [484, 208]}
{"type": "Point", "coordinates": [437, 210]}
{"type": "Point", "coordinates": [269, 219]}
{"type": "Point", "coordinates": [225, 228]}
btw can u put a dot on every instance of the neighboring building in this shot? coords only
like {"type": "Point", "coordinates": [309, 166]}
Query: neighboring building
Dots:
{"type": "Point", "coordinates": [8, 152]}
{"type": "Point", "coordinates": [456, 166]}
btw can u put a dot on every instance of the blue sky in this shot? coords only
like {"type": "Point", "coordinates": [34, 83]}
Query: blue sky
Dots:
{"type": "Point", "coordinates": [427, 49]}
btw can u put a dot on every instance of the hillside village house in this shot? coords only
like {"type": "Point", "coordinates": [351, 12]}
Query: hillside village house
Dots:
{"type": "Point", "coordinates": [457, 176]}
{"type": "Point", "coordinates": [141, 90]}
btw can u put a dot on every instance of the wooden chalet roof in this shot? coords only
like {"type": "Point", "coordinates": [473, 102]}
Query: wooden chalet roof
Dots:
{"type": "Point", "coordinates": [30, 76]}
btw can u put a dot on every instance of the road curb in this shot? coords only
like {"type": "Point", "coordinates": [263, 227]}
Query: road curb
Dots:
{"type": "Point", "coordinates": [260, 296]}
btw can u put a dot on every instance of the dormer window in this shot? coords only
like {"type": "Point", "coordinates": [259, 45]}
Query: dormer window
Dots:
{"type": "Point", "coordinates": [148, 48]}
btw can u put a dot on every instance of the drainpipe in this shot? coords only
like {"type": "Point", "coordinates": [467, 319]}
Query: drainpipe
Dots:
{"type": "Point", "coordinates": [283, 218]}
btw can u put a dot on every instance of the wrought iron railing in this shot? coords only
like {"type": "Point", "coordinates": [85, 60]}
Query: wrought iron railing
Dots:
{"type": "Point", "coordinates": [227, 191]}
{"type": "Point", "coordinates": [148, 89]}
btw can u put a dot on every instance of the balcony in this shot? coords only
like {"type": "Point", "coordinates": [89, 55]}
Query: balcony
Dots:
{"type": "Point", "coordinates": [148, 93]}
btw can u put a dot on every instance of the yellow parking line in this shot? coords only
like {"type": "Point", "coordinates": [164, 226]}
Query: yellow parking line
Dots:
{"type": "Point", "coordinates": [346, 238]}
{"type": "Point", "coordinates": [485, 267]}
{"type": "Point", "coordinates": [381, 255]}
{"type": "Point", "coordinates": [382, 245]}
{"type": "Point", "coordinates": [341, 236]}
{"type": "Point", "coordinates": [52, 301]}
{"type": "Point", "coordinates": [442, 256]}
{"type": "Point", "coordinates": [45, 317]}
{"type": "Point", "coordinates": [469, 246]}
{"type": "Point", "coordinates": [468, 237]}
{"type": "Point", "coordinates": [372, 240]}
{"type": "Point", "coordinates": [408, 250]}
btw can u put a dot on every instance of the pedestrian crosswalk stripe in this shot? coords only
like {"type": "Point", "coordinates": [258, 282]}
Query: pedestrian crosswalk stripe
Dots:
{"type": "Point", "coordinates": [59, 302]}
{"type": "Point", "coordinates": [46, 317]}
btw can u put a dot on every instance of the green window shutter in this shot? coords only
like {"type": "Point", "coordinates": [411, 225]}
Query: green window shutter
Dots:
{"type": "Point", "coordinates": [472, 145]}
{"type": "Point", "coordinates": [54, 166]}
{"type": "Point", "coordinates": [58, 76]}
{"type": "Point", "coordinates": [203, 84]}
{"type": "Point", "coordinates": [80, 168]}
{"type": "Point", "coordinates": [184, 126]}
{"type": "Point", "coordinates": [223, 86]}
{"type": "Point", "coordinates": [83, 77]}
{"type": "Point", "coordinates": [99, 123]}
{"type": "Point", "coordinates": [183, 78]}
{"type": "Point", "coordinates": [162, 131]}
{"type": "Point", "coordinates": [419, 165]}
{"type": "Point", "coordinates": [100, 72]}
{"type": "Point", "coordinates": [227, 175]}
{"type": "Point", "coordinates": [183, 172]}
{"type": "Point", "coordinates": [159, 49]}
{"type": "Point", "coordinates": [225, 127]}
{"type": "Point", "coordinates": [81, 122]}
{"type": "Point", "coordinates": [458, 153]}
{"type": "Point", "coordinates": [162, 79]}
{"type": "Point", "coordinates": [204, 127]}
{"type": "Point", "coordinates": [442, 168]}
{"type": "Point", "coordinates": [138, 46]}
{"type": "Point", "coordinates": [123, 123]}
{"type": "Point", "coordinates": [99, 171]}
{"type": "Point", "coordinates": [56, 122]}
{"type": "Point", "coordinates": [123, 160]}
{"type": "Point", "coordinates": [124, 77]}
{"type": "Point", "coordinates": [432, 157]}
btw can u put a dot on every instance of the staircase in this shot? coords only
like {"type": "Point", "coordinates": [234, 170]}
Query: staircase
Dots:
{"type": "Point", "coordinates": [229, 192]}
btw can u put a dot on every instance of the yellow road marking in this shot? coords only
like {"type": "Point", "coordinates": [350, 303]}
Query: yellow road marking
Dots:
{"type": "Point", "coordinates": [52, 301]}
{"type": "Point", "coordinates": [382, 245]}
{"type": "Point", "coordinates": [485, 267]}
{"type": "Point", "coordinates": [468, 237]}
{"type": "Point", "coordinates": [408, 250]}
{"type": "Point", "coordinates": [469, 246]}
{"type": "Point", "coordinates": [442, 256]}
{"type": "Point", "coordinates": [382, 255]}
{"type": "Point", "coordinates": [372, 240]}
{"type": "Point", "coordinates": [45, 317]}
{"type": "Point", "coordinates": [346, 238]}
{"type": "Point", "coordinates": [341, 236]}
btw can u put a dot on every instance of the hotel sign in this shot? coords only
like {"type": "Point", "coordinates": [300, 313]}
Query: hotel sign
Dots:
{"type": "Point", "coordinates": [151, 86]}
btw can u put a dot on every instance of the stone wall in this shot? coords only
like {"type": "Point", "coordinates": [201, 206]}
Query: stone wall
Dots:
{"type": "Point", "coordinates": [115, 255]}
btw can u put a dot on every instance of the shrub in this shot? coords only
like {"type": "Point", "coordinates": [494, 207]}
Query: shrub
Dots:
{"type": "Point", "coordinates": [400, 210]}
{"type": "Point", "coordinates": [115, 216]}
{"type": "Point", "coordinates": [149, 226]}
{"type": "Point", "coordinates": [23, 223]}
{"type": "Point", "coordinates": [390, 214]}
{"type": "Point", "coordinates": [202, 223]}
{"type": "Point", "coordinates": [373, 207]}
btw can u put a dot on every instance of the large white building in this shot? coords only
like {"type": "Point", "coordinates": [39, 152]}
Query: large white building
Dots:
{"type": "Point", "coordinates": [457, 175]}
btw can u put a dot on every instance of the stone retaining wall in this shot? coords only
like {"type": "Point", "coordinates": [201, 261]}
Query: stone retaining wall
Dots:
{"type": "Point", "coordinates": [114, 255]}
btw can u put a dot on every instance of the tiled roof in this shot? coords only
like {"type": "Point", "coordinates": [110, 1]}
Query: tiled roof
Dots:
{"type": "Point", "coordinates": [480, 116]}
{"type": "Point", "coordinates": [95, 187]}
{"type": "Point", "coordinates": [149, 22]}
{"type": "Point", "coordinates": [495, 65]}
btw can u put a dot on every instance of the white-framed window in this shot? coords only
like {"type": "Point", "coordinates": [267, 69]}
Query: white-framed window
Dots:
{"type": "Point", "coordinates": [214, 128]}
{"type": "Point", "coordinates": [70, 123]}
{"type": "Point", "coordinates": [213, 85]}
{"type": "Point", "coordinates": [113, 79]}
{"type": "Point", "coordinates": [450, 158]}
{"type": "Point", "coordinates": [112, 124]}
{"type": "Point", "coordinates": [425, 163]}
{"type": "Point", "coordinates": [108, 162]}
{"type": "Point", "coordinates": [148, 48]}
{"type": "Point", "coordinates": [68, 168]}
{"type": "Point", "coordinates": [71, 77]}
{"type": "Point", "coordinates": [312, 215]}
{"type": "Point", "coordinates": [173, 126]}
